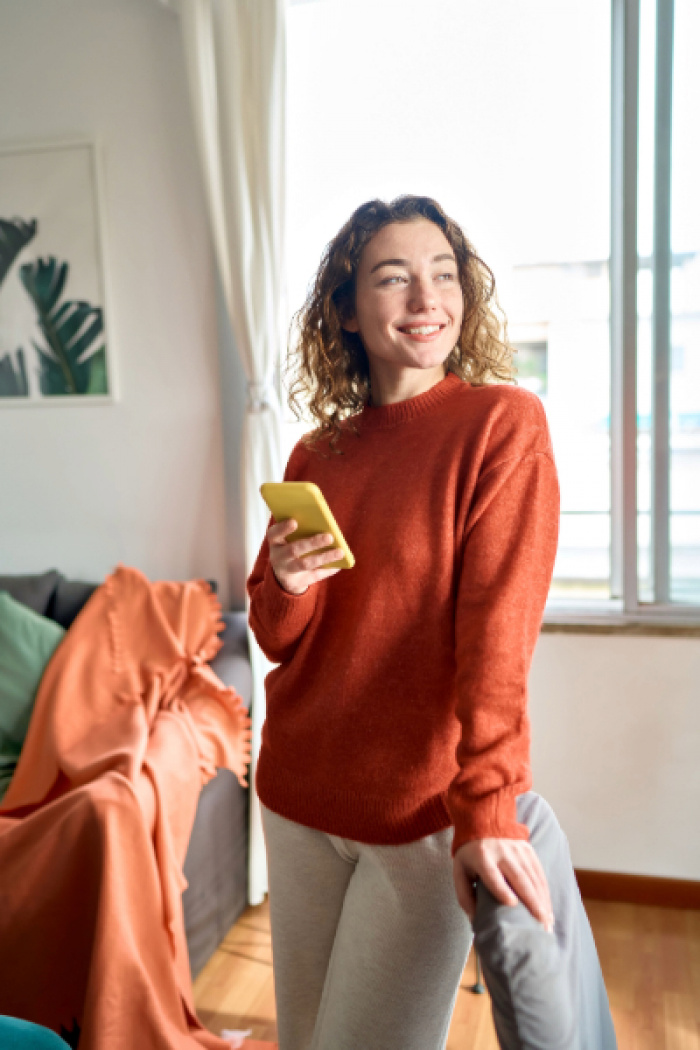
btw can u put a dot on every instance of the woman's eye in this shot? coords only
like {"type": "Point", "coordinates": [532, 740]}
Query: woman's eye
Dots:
{"type": "Point", "coordinates": [402, 278]}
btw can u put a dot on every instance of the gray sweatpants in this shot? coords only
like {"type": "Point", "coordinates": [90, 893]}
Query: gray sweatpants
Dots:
{"type": "Point", "coordinates": [369, 944]}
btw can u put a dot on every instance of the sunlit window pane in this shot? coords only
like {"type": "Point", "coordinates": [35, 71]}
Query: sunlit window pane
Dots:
{"type": "Point", "coordinates": [500, 109]}
{"type": "Point", "coordinates": [685, 308]}
{"type": "Point", "coordinates": [560, 327]}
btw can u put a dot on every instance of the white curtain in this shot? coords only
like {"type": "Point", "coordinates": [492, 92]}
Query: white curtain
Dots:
{"type": "Point", "coordinates": [235, 55]}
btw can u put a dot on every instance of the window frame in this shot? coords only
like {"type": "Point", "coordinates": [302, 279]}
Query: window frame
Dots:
{"type": "Point", "coordinates": [624, 608]}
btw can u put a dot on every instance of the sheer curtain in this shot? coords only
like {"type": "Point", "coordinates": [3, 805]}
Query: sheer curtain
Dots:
{"type": "Point", "coordinates": [235, 56]}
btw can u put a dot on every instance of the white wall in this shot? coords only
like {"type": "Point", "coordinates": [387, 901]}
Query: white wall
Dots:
{"type": "Point", "coordinates": [616, 749]}
{"type": "Point", "coordinates": [140, 481]}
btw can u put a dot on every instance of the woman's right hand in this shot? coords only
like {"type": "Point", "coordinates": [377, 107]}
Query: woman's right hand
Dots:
{"type": "Point", "coordinates": [294, 573]}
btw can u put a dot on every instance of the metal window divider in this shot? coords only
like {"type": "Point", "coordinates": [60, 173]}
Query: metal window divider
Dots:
{"type": "Point", "coordinates": [661, 305]}
{"type": "Point", "coordinates": [623, 301]}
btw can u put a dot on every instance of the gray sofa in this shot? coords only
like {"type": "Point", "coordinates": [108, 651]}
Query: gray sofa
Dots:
{"type": "Point", "coordinates": [216, 866]}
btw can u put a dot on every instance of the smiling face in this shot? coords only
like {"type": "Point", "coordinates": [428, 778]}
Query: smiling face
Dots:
{"type": "Point", "coordinates": [408, 304]}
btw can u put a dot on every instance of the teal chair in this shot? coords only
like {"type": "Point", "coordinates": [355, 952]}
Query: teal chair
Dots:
{"type": "Point", "coordinates": [24, 1035]}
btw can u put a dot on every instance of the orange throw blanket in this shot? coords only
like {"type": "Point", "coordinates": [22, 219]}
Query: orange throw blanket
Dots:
{"type": "Point", "coordinates": [129, 723]}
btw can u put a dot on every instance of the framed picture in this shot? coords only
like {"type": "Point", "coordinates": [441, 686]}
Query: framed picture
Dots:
{"type": "Point", "coordinates": [53, 331]}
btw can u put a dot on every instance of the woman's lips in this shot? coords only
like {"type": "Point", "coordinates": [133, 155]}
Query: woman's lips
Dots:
{"type": "Point", "coordinates": [424, 333]}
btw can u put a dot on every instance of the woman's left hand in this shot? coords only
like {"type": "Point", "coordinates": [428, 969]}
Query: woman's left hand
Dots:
{"type": "Point", "coordinates": [510, 869]}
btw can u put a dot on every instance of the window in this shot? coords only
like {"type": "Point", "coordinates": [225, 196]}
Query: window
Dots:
{"type": "Point", "coordinates": [532, 366]}
{"type": "Point", "coordinates": [668, 306]}
{"type": "Point", "coordinates": [525, 118]}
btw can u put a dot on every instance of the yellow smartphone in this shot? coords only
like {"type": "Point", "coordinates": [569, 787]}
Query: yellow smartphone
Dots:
{"type": "Point", "coordinates": [304, 501]}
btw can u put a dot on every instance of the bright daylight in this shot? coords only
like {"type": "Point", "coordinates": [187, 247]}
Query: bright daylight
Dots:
{"type": "Point", "coordinates": [513, 138]}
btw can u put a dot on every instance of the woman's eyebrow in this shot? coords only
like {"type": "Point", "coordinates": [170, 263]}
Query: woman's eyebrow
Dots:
{"type": "Point", "coordinates": [405, 262]}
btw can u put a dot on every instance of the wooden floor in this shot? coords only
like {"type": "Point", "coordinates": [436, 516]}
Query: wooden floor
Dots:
{"type": "Point", "coordinates": [650, 959]}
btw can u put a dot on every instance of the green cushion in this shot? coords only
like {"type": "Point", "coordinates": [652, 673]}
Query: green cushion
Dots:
{"type": "Point", "coordinates": [27, 643]}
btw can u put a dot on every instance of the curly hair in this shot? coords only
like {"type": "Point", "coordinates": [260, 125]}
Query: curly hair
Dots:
{"type": "Point", "coordinates": [332, 368]}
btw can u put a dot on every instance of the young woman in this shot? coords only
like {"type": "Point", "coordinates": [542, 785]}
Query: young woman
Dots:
{"type": "Point", "coordinates": [394, 771]}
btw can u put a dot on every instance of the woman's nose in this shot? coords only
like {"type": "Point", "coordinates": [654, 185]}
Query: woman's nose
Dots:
{"type": "Point", "coordinates": [422, 296]}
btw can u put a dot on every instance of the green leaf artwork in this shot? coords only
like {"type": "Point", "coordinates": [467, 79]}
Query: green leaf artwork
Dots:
{"type": "Point", "coordinates": [71, 361]}
{"type": "Point", "coordinates": [15, 234]}
{"type": "Point", "coordinates": [13, 378]}
{"type": "Point", "coordinates": [67, 364]}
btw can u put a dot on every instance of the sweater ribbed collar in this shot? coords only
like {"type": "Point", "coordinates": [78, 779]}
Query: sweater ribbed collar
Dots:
{"type": "Point", "coordinates": [373, 417]}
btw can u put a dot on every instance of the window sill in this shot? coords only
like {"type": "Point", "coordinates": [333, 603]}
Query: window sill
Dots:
{"type": "Point", "coordinates": [608, 618]}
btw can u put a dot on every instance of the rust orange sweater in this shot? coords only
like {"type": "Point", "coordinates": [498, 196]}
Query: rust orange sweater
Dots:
{"type": "Point", "coordinates": [399, 706]}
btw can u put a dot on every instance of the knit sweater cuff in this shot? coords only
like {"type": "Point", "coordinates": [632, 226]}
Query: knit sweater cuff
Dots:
{"type": "Point", "coordinates": [287, 613]}
{"type": "Point", "coordinates": [492, 817]}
